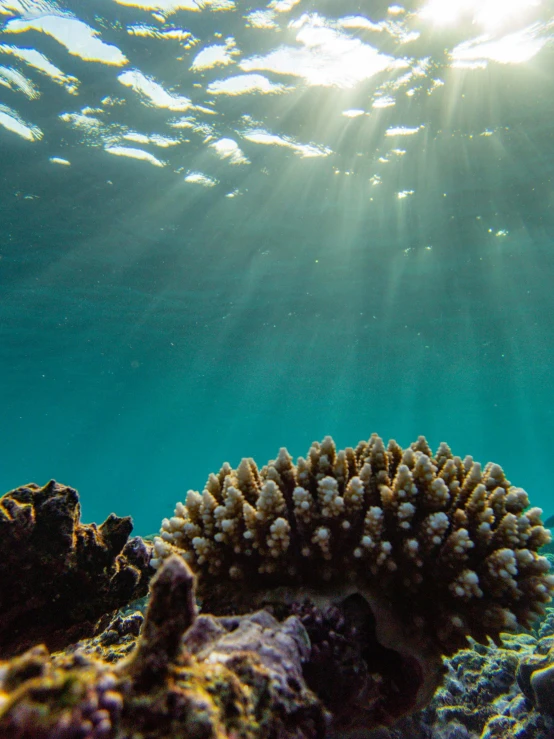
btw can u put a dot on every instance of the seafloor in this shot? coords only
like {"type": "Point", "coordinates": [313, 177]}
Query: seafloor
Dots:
{"type": "Point", "coordinates": [97, 644]}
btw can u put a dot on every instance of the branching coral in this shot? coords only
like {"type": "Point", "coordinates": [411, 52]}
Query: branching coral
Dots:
{"type": "Point", "coordinates": [57, 575]}
{"type": "Point", "coordinates": [449, 547]}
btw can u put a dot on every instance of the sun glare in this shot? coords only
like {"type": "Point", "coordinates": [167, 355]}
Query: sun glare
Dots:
{"type": "Point", "coordinates": [489, 14]}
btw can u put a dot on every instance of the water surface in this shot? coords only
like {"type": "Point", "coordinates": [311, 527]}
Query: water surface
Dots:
{"type": "Point", "coordinates": [228, 227]}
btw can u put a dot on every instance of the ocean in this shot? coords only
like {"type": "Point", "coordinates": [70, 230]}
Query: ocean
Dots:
{"type": "Point", "coordinates": [229, 227]}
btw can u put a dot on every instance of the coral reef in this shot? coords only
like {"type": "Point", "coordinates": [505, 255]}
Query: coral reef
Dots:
{"type": "Point", "coordinates": [488, 693]}
{"type": "Point", "coordinates": [432, 541]}
{"type": "Point", "coordinates": [58, 576]}
{"type": "Point", "coordinates": [330, 591]}
{"type": "Point", "coordinates": [360, 683]}
{"type": "Point", "coordinates": [235, 678]}
{"type": "Point", "coordinates": [535, 674]}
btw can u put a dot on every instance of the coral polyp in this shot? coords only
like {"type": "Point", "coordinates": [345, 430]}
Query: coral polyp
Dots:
{"type": "Point", "coordinates": [449, 547]}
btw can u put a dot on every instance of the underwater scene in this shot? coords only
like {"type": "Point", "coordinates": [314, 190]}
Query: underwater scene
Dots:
{"type": "Point", "coordinates": [276, 369]}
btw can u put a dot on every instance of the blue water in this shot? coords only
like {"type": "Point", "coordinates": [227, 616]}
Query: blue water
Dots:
{"type": "Point", "coordinates": [154, 326]}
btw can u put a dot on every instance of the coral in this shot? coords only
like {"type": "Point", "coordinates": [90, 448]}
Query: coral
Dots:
{"type": "Point", "coordinates": [535, 674]}
{"type": "Point", "coordinates": [235, 678]}
{"type": "Point", "coordinates": [336, 585]}
{"type": "Point", "coordinates": [359, 682]}
{"type": "Point", "coordinates": [542, 682]}
{"type": "Point", "coordinates": [58, 576]}
{"type": "Point", "coordinates": [363, 683]}
{"type": "Point", "coordinates": [435, 542]}
{"type": "Point", "coordinates": [546, 624]}
{"type": "Point", "coordinates": [115, 642]}
{"type": "Point", "coordinates": [481, 698]}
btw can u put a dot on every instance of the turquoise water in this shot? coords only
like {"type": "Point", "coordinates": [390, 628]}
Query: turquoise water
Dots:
{"type": "Point", "coordinates": [227, 228]}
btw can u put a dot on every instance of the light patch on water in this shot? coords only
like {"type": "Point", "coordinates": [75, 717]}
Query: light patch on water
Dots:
{"type": "Point", "coordinates": [186, 121]}
{"type": "Point", "coordinates": [358, 51]}
{"type": "Point", "coordinates": [132, 153]}
{"type": "Point", "coordinates": [92, 128]}
{"type": "Point", "coordinates": [402, 131]}
{"type": "Point", "coordinates": [13, 122]}
{"type": "Point", "coordinates": [264, 19]}
{"type": "Point", "coordinates": [404, 194]}
{"type": "Point", "coordinates": [282, 6]}
{"type": "Point", "coordinates": [217, 55]}
{"type": "Point", "coordinates": [400, 33]}
{"type": "Point", "coordinates": [171, 34]}
{"type": "Point", "coordinates": [153, 91]}
{"type": "Point", "coordinates": [16, 81]}
{"type": "Point", "coordinates": [353, 113]}
{"type": "Point", "coordinates": [326, 57]}
{"type": "Point", "coordinates": [205, 130]}
{"type": "Point", "coordinates": [514, 48]}
{"type": "Point", "coordinates": [469, 65]}
{"type": "Point", "coordinates": [417, 71]}
{"type": "Point", "coordinates": [229, 149]}
{"type": "Point", "coordinates": [485, 13]}
{"type": "Point", "coordinates": [82, 120]}
{"type": "Point", "coordinates": [59, 160]}
{"type": "Point", "coordinates": [384, 102]}
{"type": "Point", "coordinates": [304, 150]}
{"type": "Point", "coordinates": [169, 7]}
{"type": "Point", "coordinates": [243, 84]}
{"type": "Point", "coordinates": [435, 85]}
{"type": "Point", "coordinates": [41, 63]}
{"type": "Point", "coordinates": [492, 13]}
{"type": "Point", "coordinates": [197, 178]}
{"type": "Point", "coordinates": [78, 38]}
{"type": "Point", "coordinates": [359, 21]}
{"type": "Point", "coordinates": [155, 139]}
{"type": "Point", "coordinates": [22, 7]}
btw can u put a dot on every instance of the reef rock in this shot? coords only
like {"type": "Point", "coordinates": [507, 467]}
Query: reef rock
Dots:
{"type": "Point", "coordinates": [330, 590]}
{"type": "Point", "coordinates": [490, 692]}
{"type": "Point", "coordinates": [238, 678]}
{"type": "Point", "coordinates": [57, 575]}
{"type": "Point", "coordinates": [535, 674]}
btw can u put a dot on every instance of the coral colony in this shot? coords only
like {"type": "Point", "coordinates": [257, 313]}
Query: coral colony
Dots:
{"type": "Point", "coordinates": [451, 546]}
{"type": "Point", "coordinates": [354, 589]}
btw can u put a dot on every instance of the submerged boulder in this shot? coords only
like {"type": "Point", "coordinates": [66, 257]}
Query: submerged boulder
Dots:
{"type": "Point", "coordinates": [59, 576]}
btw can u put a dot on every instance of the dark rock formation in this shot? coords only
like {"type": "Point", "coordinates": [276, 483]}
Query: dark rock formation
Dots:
{"type": "Point", "coordinates": [57, 575]}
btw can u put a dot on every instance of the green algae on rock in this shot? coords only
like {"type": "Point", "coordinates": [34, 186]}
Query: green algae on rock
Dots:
{"type": "Point", "coordinates": [240, 680]}
{"type": "Point", "coordinates": [57, 575]}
